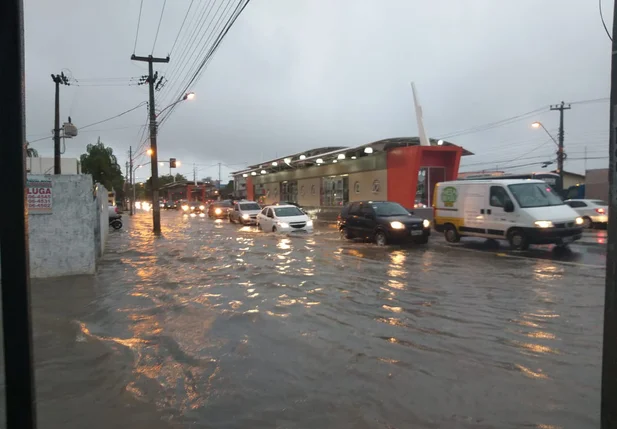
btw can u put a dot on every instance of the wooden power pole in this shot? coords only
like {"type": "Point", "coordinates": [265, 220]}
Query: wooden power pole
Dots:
{"type": "Point", "coordinates": [608, 413]}
{"type": "Point", "coordinates": [154, 163]}
{"type": "Point", "coordinates": [59, 79]}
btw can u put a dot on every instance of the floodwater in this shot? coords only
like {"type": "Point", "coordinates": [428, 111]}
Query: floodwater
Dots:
{"type": "Point", "coordinates": [218, 326]}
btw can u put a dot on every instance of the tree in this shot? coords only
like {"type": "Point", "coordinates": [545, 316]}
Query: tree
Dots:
{"type": "Point", "coordinates": [229, 188]}
{"type": "Point", "coordinates": [101, 163]}
{"type": "Point", "coordinates": [163, 180]}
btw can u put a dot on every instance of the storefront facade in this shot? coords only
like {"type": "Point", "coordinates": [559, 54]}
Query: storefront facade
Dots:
{"type": "Point", "coordinates": [395, 169]}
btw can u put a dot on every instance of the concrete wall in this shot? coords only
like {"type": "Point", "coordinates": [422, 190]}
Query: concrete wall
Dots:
{"type": "Point", "coordinates": [101, 221]}
{"type": "Point", "coordinates": [63, 243]}
{"type": "Point", "coordinates": [361, 185]}
{"type": "Point", "coordinates": [38, 165]}
{"type": "Point", "coordinates": [306, 197]}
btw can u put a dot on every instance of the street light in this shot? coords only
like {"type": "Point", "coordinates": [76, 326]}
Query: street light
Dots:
{"type": "Point", "coordinates": [539, 124]}
{"type": "Point", "coordinates": [188, 96]}
{"type": "Point", "coordinates": [149, 152]}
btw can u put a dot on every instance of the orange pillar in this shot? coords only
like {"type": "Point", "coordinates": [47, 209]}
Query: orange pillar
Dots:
{"type": "Point", "coordinates": [250, 192]}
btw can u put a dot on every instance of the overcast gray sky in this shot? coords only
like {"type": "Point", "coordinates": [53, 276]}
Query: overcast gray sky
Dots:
{"type": "Point", "coordinates": [293, 75]}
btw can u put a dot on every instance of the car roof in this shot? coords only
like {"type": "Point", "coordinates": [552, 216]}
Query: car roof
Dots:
{"type": "Point", "coordinates": [280, 206]}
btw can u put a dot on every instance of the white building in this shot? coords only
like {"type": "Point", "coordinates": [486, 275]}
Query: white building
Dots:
{"type": "Point", "coordinates": [36, 165]}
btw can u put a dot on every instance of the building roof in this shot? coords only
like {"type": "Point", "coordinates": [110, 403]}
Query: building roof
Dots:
{"type": "Point", "coordinates": [185, 183]}
{"type": "Point", "coordinates": [312, 156]}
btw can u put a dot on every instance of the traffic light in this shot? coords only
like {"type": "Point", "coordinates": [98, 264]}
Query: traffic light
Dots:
{"type": "Point", "coordinates": [172, 162]}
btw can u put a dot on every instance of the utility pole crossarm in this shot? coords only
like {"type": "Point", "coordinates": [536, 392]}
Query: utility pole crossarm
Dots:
{"type": "Point", "coordinates": [150, 59]}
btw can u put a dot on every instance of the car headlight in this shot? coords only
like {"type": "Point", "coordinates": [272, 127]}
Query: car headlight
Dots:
{"type": "Point", "coordinates": [202, 207]}
{"type": "Point", "coordinates": [579, 221]}
{"type": "Point", "coordinates": [426, 223]}
{"type": "Point", "coordinates": [397, 225]}
{"type": "Point", "coordinates": [185, 208]}
{"type": "Point", "coordinates": [309, 223]}
{"type": "Point", "coordinates": [543, 223]}
{"type": "Point", "coordinates": [245, 216]}
{"type": "Point", "coordinates": [217, 211]}
{"type": "Point", "coordinates": [283, 224]}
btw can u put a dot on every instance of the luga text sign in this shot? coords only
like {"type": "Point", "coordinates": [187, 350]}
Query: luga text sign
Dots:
{"type": "Point", "coordinates": [39, 194]}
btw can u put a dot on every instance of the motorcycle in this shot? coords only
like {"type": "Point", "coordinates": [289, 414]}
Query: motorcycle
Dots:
{"type": "Point", "coordinates": [115, 222]}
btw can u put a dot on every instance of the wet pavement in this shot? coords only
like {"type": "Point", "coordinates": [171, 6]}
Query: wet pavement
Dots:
{"type": "Point", "coordinates": [219, 326]}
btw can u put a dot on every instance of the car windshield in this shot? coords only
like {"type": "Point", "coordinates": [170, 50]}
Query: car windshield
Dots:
{"type": "Point", "coordinates": [195, 204]}
{"type": "Point", "coordinates": [390, 209]}
{"type": "Point", "coordinates": [535, 195]}
{"type": "Point", "coordinates": [599, 202]}
{"type": "Point", "coordinates": [250, 206]}
{"type": "Point", "coordinates": [287, 211]}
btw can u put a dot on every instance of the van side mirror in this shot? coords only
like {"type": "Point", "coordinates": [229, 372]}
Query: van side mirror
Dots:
{"type": "Point", "coordinates": [508, 207]}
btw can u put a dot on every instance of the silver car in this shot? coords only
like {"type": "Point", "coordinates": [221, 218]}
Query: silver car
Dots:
{"type": "Point", "coordinates": [244, 212]}
{"type": "Point", "coordinates": [593, 212]}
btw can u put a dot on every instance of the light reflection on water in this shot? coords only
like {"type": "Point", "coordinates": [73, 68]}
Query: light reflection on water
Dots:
{"type": "Point", "coordinates": [234, 328]}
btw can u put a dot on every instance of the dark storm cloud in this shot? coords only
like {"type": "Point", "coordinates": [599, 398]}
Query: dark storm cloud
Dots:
{"type": "Point", "coordinates": [292, 75]}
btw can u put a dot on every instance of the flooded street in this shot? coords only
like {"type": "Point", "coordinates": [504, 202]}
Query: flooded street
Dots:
{"type": "Point", "coordinates": [218, 326]}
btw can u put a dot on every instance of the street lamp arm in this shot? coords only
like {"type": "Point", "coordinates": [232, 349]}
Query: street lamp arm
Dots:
{"type": "Point", "coordinates": [536, 124]}
{"type": "Point", "coordinates": [187, 96]}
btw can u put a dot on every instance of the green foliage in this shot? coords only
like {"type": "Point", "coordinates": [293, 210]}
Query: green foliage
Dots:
{"type": "Point", "coordinates": [101, 163]}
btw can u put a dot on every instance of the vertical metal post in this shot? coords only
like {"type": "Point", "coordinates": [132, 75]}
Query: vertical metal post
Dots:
{"type": "Point", "coordinates": [17, 324]}
{"type": "Point", "coordinates": [608, 411]}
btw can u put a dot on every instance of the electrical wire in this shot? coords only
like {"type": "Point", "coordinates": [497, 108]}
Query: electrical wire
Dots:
{"type": "Point", "coordinates": [116, 116]}
{"type": "Point", "coordinates": [602, 19]}
{"type": "Point", "coordinates": [138, 23]}
{"type": "Point", "coordinates": [181, 27]}
{"type": "Point", "coordinates": [159, 26]}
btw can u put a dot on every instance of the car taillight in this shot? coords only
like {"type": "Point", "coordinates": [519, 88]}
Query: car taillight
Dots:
{"type": "Point", "coordinates": [116, 209]}
{"type": "Point", "coordinates": [601, 210]}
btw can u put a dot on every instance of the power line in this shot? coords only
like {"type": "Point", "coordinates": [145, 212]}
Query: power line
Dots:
{"type": "Point", "coordinates": [159, 27]}
{"type": "Point", "coordinates": [603, 22]}
{"type": "Point", "coordinates": [143, 103]}
{"type": "Point", "coordinates": [138, 23]}
{"type": "Point", "coordinates": [181, 27]}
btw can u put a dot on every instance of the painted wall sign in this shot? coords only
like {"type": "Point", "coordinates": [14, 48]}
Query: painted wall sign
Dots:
{"type": "Point", "coordinates": [376, 186]}
{"type": "Point", "coordinates": [356, 187]}
{"type": "Point", "coordinates": [39, 194]}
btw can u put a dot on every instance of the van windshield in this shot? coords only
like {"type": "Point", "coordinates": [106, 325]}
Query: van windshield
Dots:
{"type": "Point", "coordinates": [535, 195]}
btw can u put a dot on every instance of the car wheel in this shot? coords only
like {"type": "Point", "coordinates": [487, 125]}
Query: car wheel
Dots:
{"type": "Point", "coordinates": [451, 234]}
{"type": "Point", "coordinates": [518, 240]}
{"type": "Point", "coordinates": [381, 239]}
{"type": "Point", "coordinates": [345, 234]}
{"type": "Point", "coordinates": [587, 223]}
{"type": "Point", "coordinates": [274, 229]}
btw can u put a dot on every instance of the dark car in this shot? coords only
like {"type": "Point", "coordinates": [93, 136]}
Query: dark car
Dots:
{"type": "Point", "coordinates": [382, 221]}
{"type": "Point", "coordinates": [219, 209]}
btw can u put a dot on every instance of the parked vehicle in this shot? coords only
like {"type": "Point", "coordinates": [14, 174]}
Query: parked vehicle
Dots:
{"type": "Point", "coordinates": [219, 209]}
{"type": "Point", "coordinates": [284, 218]}
{"type": "Point", "coordinates": [113, 211]}
{"type": "Point", "coordinates": [521, 211]}
{"type": "Point", "coordinates": [244, 212]}
{"type": "Point", "coordinates": [115, 223]}
{"type": "Point", "coordinates": [383, 222]}
{"type": "Point", "coordinates": [593, 212]}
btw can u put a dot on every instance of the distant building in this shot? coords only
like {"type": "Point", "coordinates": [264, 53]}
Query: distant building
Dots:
{"type": "Point", "coordinates": [572, 179]}
{"type": "Point", "coordinates": [36, 165]}
{"type": "Point", "coordinates": [596, 184]}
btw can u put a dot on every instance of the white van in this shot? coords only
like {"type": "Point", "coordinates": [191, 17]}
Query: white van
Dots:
{"type": "Point", "coordinates": [521, 211]}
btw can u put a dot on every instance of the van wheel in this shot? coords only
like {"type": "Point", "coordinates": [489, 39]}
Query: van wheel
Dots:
{"type": "Point", "coordinates": [451, 234]}
{"type": "Point", "coordinates": [274, 229]}
{"type": "Point", "coordinates": [381, 239]}
{"type": "Point", "coordinates": [587, 223]}
{"type": "Point", "coordinates": [518, 240]}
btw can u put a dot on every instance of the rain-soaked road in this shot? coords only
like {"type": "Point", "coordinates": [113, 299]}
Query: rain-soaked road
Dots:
{"type": "Point", "coordinates": [217, 326]}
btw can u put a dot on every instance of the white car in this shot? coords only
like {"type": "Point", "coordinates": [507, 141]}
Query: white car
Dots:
{"type": "Point", "coordinates": [593, 212]}
{"type": "Point", "coordinates": [244, 212]}
{"type": "Point", "coordinates": [284, 218]}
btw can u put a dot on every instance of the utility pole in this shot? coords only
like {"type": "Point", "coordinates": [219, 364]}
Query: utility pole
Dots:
{"type": "Point", "coordinates": [195, 174]}
{"type": "Point", "coordinates": [58, 80]}
{"type": "Point", "coordinates": [608, 408]}
{"type": "Point", "coordinates": [132, 203]}
{"type": "Point", "coordinates": [219, 178]}
{"type": "Point", "coordinates": [18, 386]}
{"type": "Point", "coordinates": [156, 209]}
{"type": "Point", "coordinates": [561, 156]}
